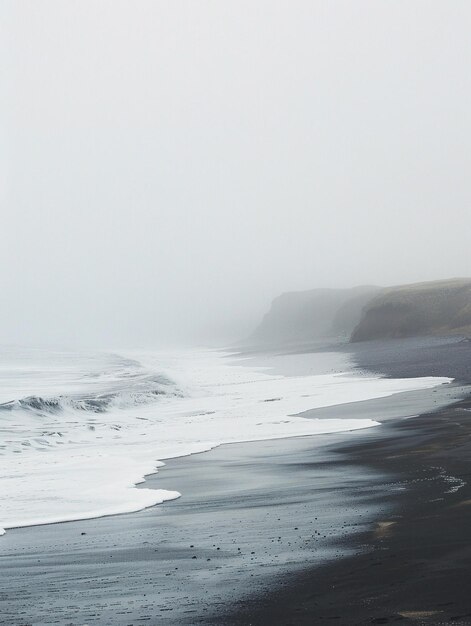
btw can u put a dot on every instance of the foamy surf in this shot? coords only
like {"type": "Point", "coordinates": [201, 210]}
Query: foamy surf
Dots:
{"type": "Point", "coordinates": [80, 432]}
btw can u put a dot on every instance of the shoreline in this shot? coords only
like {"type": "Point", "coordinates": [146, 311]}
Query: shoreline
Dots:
{"type": "Point", "coordinates": [257, 502]}
{"type": "Point", "coordinates": [128, 448]}
{"type": "Point", "coordinates": [112, 450]}
{"type": "Point", "coordinates": [238, 530]}
{"type": "Point", "coordinates": [410, 566]}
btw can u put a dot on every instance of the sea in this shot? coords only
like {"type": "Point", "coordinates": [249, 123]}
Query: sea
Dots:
{"type": "Point", "coordinates": [80, 430]}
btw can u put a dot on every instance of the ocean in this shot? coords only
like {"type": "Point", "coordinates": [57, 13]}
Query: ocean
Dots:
{"type": "Point", "coordinates": [80, 430]}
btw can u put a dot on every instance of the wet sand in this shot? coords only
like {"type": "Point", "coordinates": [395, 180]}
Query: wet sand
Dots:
{"type": "Point", "coordinates": [251, 515]}
{"type": "Point", "coordinates": [413, 565]}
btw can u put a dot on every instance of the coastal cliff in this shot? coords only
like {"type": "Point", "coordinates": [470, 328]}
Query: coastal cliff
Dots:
{"type": "Point", "coordinates": [310, 315]}
{"type": "Point", "coordinates": [440, 307]}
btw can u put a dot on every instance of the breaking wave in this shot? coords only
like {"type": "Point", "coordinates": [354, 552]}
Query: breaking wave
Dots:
{"type": "Point", "coordinates": [95, 404]}
{"type": "Point", "coordinates": [124, 384]}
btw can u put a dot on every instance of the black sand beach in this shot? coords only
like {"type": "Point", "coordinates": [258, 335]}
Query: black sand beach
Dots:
{"type": "Point", "coordinates": [413, 563]}
{"type": "Point", "coordinates": [250, 516]}
{"type": "Point", "coordinates": [411, 566]}
{"type": "Point", "coordinates": [369, 528]}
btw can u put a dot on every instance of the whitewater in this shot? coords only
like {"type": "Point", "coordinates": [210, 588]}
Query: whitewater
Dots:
{"type": "Point", "coordinates": [79, 431]}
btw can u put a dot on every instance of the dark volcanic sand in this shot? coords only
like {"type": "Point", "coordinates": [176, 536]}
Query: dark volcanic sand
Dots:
{"type": "Point", "coordinates": [414, 566]}
{"type": "Point", "coordinates": [250, 515]}
{"type": "Point", "coordinates": [426, 356]}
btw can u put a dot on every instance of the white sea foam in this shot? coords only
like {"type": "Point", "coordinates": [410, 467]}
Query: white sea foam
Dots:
{"type": "Point", "coordinates": [79, 432]}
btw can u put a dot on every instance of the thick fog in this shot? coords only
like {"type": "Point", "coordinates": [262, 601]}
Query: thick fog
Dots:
{"type": "Point", "coordinates": [167, 167]}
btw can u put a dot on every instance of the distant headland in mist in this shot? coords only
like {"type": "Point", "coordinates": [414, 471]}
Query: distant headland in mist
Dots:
{"type": "Point", "coordinates": [363, 313]}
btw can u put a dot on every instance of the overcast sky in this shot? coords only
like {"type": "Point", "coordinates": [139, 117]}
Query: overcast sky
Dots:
{"type": "Point", "coordinates": [167, 167]}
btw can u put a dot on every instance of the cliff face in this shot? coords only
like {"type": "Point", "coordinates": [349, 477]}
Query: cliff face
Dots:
{"type": "Point", "coordinates": [365, 313]}
{"type": "Point", "coordinates": [309, 315]}
{"type": "Point", "coordinates": [438, 307]}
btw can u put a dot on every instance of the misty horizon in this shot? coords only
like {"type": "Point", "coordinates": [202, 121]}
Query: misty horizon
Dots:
{"type": "Point", "coordinates": [169, 169]}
